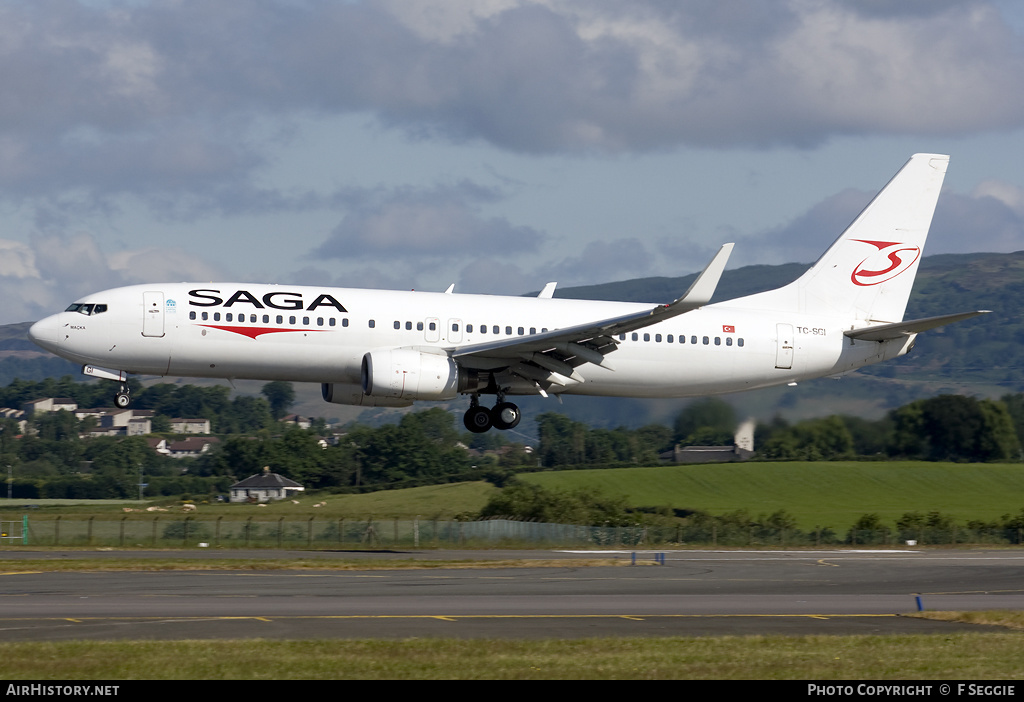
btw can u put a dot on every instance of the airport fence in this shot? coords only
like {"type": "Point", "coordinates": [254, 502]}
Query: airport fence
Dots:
{"type": "Point", "coordinates": [318, 532]}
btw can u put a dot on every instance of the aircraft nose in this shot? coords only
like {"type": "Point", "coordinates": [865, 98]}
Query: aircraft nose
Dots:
{"type": "Point", "coordinates": [45, 332]}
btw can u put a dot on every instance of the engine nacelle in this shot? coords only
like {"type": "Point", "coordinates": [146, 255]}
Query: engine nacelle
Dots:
{"type": "Point", "coordinates": [352, 394]}
{"type": "Point", "coordinates": [408, 374]}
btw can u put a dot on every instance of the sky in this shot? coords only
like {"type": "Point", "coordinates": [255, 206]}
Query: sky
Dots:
{"type": "Point", "coordinates": [494, 144]}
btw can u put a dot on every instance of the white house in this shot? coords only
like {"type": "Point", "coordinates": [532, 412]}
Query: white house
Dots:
{"type": "Point", "coordinates": [263, 487]}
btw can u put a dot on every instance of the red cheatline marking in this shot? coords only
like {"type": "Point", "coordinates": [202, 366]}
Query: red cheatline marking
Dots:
{"type": "Point", "coordinates": [253, 332]}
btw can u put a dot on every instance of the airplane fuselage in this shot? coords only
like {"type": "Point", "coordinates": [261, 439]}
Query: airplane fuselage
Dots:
{"type": "Point", "coordinates": [312, 334]}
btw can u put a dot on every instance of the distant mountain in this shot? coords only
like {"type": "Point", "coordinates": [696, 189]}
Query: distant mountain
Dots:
{"type": "Point", "coordinates": [982, 356]}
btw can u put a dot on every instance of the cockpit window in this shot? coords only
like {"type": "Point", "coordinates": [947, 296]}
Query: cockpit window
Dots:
{"type": "Point", "coordinates": [87, 308]}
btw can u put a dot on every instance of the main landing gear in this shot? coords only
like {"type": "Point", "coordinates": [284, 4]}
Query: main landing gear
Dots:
{"type": "Point", "coordinates": [504, 415]}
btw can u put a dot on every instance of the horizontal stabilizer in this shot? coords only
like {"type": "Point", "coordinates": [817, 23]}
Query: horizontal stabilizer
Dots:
{"type": "Point", "coordinates": [884, 332]}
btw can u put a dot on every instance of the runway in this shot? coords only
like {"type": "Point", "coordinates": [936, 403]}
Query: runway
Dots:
{"type": "Point", "coordinates": [693, 593]}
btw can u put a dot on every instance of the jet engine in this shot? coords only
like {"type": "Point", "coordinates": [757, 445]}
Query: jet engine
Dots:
{"type": "Point", "coordinates": [408, 374]}
{"type": "Point", "coordinates": [352, 394]}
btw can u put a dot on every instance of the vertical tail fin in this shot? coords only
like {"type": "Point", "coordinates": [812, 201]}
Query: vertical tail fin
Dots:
{"type": "Point", "coordinates": [867, 274]}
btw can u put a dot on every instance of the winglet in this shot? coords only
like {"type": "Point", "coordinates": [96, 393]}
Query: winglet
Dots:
{"type": "Point", "coordinates": [548, 290]}
{"type": "Point", "coordinates": [450, 290]}
{"type": "Point", "coordinates": [703, 288]}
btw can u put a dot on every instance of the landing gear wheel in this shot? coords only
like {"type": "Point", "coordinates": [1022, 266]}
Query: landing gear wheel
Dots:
{"type": "Point", "coordinates": [123, 399]}
{"type": "Point", "coordinates": [477, 419]}
{"type": "Point", "coordinates": [506, 415]}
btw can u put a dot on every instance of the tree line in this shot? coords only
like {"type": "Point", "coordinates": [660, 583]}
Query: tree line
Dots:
{"type": "Point", "coordinates": [428, 446]}
{"type": "Point", "coordinates": [942, 428]}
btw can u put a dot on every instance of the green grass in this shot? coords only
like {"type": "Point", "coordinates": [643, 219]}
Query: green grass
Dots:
{"type": "Point", "coordinates": [428, 502]}
{"type": "Point", "coordinates": [993, 656]}
{"type": "Point", "coordinates": [816, 493]}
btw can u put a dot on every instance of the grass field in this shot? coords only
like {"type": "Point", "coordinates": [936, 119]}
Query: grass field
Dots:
{"type": "Point", "coordinates": [993, 656]}
{"type": "Point", "coordinates": [822, 494]}
{"type": "Point", "coordinates": [817, 494]}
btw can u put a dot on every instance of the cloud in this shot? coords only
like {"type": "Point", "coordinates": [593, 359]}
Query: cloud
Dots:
{"type": "Point", "coordinates": [169, 97]}
{"type": "Point", "coordinates": [598, 262]}
{"type": "Point", "coordinates": [45, 275]}
{"type": "Point", "coordinates": [990, 219]}
{"type": "Point", "coordinates": [435, 223]}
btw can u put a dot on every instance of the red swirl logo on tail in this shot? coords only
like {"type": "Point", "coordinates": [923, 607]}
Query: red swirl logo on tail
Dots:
{"type": "Point", "coordinates": [891, 259]}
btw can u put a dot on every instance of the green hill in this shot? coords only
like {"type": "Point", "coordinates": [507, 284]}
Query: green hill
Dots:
{"type": "Point", "coordinates": [817, 494]}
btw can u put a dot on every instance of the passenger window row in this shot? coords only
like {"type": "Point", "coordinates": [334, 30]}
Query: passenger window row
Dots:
{"type": "Point", "coordinates": [240, 318]}
{"type": "Point", "coordinates": [671, 338]}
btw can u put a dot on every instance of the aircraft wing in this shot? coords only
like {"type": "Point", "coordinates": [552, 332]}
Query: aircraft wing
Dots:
{"type": "Point", "coordinates": [552, 356]}
{"type": "Point", "coordinates": [884, 332]}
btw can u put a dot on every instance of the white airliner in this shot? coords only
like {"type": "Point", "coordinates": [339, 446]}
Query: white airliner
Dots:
{"type": "Point", "coordinates": [390, 348]}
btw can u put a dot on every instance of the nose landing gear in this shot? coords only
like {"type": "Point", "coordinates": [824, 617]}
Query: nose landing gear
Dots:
{"type": "Point", "coordinates": [504, 415]}
{"type": "Point", "coordinates": [123, 399]}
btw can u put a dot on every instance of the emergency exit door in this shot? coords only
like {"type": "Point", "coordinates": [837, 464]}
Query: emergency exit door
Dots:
{"type": "Point", "coordinates": [784, 349]}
